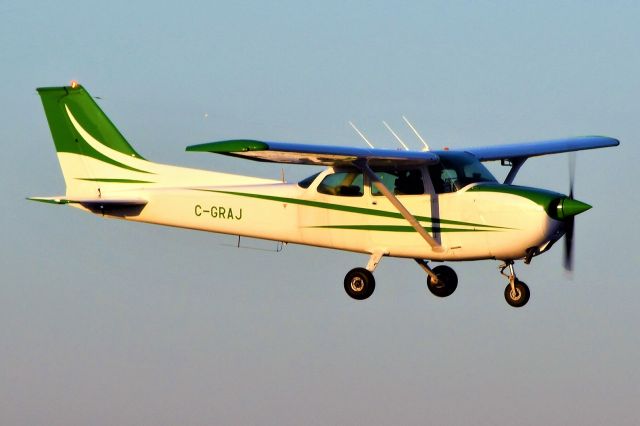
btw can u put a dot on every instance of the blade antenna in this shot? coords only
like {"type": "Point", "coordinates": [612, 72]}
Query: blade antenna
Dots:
{"type": "Point", "coordinates": [395, 136]}
{"type": "Point", "coordinates": [364, 138]}
{"type": "Point", "coordinates": [572, 172]}
{"type": "Point", "coordinates": [426, 146]}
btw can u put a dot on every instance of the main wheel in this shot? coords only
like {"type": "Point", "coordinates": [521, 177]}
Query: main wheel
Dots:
{"type": "Point", "coordinates": [519, 297]}
{"type": "Point", "coordinates": [446, 284]}
{"type": "Point", "coordinates": [359, 283]}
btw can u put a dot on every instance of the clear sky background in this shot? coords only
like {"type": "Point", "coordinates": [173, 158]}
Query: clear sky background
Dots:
{"type": "Point", "coordinates": [106, 322]}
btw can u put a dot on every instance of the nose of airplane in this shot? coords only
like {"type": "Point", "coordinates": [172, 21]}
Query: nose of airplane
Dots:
{"type": "Point", "coordinates": [568, 207]}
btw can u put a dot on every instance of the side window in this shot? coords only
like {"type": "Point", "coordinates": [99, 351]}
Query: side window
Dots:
{"type": "Point", "coordinates": [400, 182]}
{"type": "Point", "coordinates": [444, 180]}
{"type": "Point", "coordinates": [346, 184]}
{"type": "Point", "coordinates": [388, 179]}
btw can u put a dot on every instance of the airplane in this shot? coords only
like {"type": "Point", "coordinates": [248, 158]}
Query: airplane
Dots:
{"type": "Point", "coordinates": [429, 206]}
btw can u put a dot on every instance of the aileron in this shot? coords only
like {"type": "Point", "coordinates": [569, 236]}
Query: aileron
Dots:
{"type": "Point", "coordinates": [533, 149]}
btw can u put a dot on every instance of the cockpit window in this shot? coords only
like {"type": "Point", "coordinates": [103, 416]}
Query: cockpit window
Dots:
{"type": "Point", "coordinates": [400, 182]}
{"type": "Point", "coordinates": [346, 184]}
{"type": "Point", "coordinates": [457, 170]}
{"type": "Point", "coordinates": [306, 182]}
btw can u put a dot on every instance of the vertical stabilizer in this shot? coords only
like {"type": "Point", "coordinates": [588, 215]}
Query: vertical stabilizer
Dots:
{"type": "Point", "coordinates": [90, 148]}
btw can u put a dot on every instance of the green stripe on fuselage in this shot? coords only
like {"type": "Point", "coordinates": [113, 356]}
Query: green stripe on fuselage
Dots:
{"type": "Point", "coordinates": [351, 209]}
{"type": "Point", "coordinates": [106, 180]}
{"type": "Point", "coordinates": [398, 228]}
{"type": "Point", "coordinates": [542, 197]}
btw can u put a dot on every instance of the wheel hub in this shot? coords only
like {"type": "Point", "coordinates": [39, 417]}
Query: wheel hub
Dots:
{"type": "Point", "coordinates": [515, 295]}
{"type": "Point", "coordinates": [357, 284]}
{"type": "Point", "coordinates": [439, 283]}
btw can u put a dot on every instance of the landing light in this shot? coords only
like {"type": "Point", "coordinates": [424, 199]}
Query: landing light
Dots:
{"type": "Point", "coordinates": [74, 84]}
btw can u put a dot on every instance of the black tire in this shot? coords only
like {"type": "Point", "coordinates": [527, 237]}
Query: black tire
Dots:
{"type": "Point", "coordinates": [447, 281]}
{"type": "Point", "coordinates": [359, 283]}
{"type": "Point", "coordinates": [521, 296]}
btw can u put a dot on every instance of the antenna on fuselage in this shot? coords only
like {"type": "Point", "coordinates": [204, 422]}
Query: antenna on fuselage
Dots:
{"type": "Point", "coordinates": [426, 147]}
{"type": "Point", "coordinates": [364, 138]}
{"type": "Point", "coordinates": [395, 136]}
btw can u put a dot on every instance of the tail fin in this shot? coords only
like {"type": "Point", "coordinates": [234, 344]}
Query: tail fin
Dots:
{"type": "Point", "coordinates": [90, 148]}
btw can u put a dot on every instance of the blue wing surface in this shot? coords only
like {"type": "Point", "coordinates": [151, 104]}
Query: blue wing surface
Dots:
{"type": "Point", "coordinates": [327, 155]}
{"type": "Point", "coordinates": [533, 149]}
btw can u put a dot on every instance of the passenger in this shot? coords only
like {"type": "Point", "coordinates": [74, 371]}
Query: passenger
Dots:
{"type": "Point", "coordinates": [409, 183]}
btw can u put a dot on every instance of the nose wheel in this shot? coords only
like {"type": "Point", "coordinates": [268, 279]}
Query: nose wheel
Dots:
{"type": "Point", "coordinates": [518, 296]}
{"type": "Point", "coordinates": [516, 293]}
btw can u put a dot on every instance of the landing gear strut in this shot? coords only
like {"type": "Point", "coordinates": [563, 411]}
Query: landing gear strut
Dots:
{"type": "Point", "coordinates": [516, 293]}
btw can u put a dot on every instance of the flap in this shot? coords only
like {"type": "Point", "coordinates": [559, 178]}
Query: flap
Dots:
{"type": "Point", "coordinates": [326, 155]}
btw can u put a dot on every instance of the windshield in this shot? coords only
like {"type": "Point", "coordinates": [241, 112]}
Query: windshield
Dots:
{"type": "Point", "coordinates": [306, 182]}
{"type": "Point", "coordinates": [457, 170]}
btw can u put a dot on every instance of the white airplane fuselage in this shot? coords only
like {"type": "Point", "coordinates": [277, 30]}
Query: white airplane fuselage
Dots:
{"type": "Point", "coordinates": [470, 224]}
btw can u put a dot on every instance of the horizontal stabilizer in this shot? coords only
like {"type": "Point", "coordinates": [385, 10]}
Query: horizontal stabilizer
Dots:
{"type": "Point", "coordinates": [327, 155]}
{"type": "Point", "coordinates": [108, 206]}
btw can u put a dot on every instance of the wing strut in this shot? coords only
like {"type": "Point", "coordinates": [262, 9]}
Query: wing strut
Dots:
{"type": "Point", "coordinates": [516, 163]}
{"type": "Point", "coordinates": [362, 165]}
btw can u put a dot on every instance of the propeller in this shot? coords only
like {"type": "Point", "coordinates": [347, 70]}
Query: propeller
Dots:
{"type": "Point", "coordinates": [569, 224]}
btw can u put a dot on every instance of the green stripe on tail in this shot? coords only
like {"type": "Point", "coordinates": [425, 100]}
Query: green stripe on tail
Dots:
{"type": "Point", "coordinates": [89, 116]}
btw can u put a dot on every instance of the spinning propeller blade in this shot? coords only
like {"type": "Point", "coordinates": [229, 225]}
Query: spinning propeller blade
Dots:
{"type": "Point", "coordinates": [570, 221]}
{"type": "Point", "coordinates": [568, 244]}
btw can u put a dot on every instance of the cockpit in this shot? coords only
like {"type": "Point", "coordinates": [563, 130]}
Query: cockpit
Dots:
{"type": "Point", "coordinates": [454, 171]}
{"type": "Point", "coordinates": [457, 170]}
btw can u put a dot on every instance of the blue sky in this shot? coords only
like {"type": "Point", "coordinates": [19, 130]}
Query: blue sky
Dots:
{"type": "Point", "coordinates": [107, 322]}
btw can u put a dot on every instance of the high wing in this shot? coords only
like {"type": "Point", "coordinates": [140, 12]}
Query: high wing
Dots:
{"type": "Point", "coordinates": [532, 149]}
{"type": "Point", "coordinates": [327, 155]}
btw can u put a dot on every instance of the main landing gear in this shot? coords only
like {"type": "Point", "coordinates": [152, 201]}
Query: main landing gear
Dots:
{"type": "Point", "coordinates": [442, 281]}
{"type": "Point", "coordinates": [359, 283]}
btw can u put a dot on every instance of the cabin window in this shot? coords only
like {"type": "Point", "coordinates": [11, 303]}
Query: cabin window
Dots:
{"type": "Point", "coordinates": [345, 184]}
{"type": "Point", "coordinates": [400, 182]}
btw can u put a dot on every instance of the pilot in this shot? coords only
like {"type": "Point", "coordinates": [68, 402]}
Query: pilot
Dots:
{"type": "Point", "coordinates": [409, 183]}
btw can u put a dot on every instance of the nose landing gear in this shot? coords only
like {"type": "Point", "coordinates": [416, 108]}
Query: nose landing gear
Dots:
{"type": "Point", "coordinates": [516, 293]}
